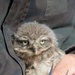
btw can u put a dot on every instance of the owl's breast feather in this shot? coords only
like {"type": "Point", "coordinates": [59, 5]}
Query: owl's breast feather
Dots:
{"type": "Point", "coordinates": [43, 67]}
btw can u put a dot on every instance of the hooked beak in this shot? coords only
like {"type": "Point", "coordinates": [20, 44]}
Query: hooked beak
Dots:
{"type": "Point", "coordinates": [33, 48]}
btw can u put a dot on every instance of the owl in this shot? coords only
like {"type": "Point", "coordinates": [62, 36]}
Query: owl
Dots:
{"type": "Point", "coordinates": [36, 45]}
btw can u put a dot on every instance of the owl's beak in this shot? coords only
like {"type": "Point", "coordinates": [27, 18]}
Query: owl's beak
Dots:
{"type": "Point", "coordinates": [33, 48]}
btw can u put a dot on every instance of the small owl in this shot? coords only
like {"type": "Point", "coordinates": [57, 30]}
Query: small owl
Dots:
{"type": "Point", "coordinates": [36, 44]}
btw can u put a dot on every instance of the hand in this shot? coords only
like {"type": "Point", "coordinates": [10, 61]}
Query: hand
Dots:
{"type": "Point", "coordinates": [66, 64]}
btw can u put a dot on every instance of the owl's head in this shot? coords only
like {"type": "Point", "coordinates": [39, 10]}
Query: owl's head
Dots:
{"type": "Point", "coordinates": [33, 38]}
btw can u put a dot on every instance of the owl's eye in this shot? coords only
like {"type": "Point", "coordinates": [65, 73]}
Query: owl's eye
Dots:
{"type": "Point", "coordinates": [26, 42]}
{"type": "Point", "coordinates": [42, 42]}
{"type": "Point", "coordinates": [23, 42]}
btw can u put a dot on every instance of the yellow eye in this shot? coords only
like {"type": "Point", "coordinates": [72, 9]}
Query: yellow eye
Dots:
{"type": "Point", "coordinates": [42, 42]}
{"type": "Point", "coordinates": [25, 42]}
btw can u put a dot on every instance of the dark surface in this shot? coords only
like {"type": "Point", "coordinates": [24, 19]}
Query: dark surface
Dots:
{"type": "Point", "coordinates": [3, 9]}
{"type": "Point", "coordinates": [8, 64]}
{"type": "Point", "coordinates": [34, 10]}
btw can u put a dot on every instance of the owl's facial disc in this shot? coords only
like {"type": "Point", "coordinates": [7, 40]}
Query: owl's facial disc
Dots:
{"type": "Point", "coordinates": [33, 47]}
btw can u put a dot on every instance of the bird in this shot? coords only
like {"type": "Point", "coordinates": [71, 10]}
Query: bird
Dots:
{"type": "Point", "coordinates": [37, 46]}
